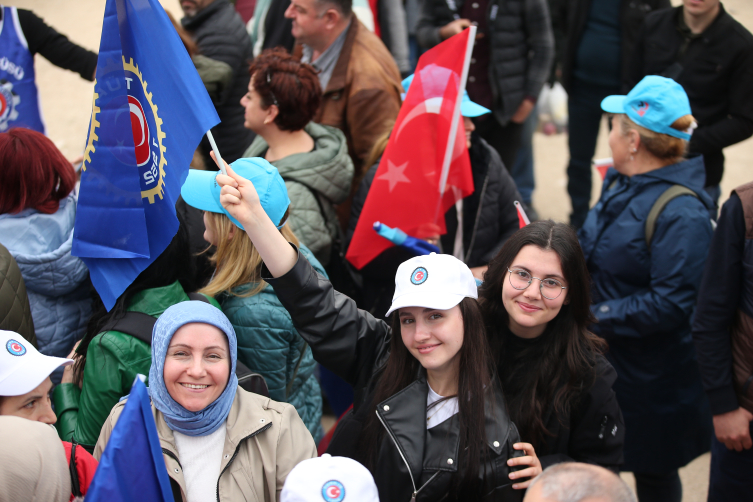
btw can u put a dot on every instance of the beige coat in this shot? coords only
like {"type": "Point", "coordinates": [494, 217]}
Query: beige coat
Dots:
{"type": "Point", "coordinates": [265, 440]}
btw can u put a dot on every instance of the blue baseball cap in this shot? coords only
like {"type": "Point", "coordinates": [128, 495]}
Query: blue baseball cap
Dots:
{"type": "Point", "coordinates": [467, 107]}
{"type": "Point", "coordinates": [654, 103]}
{"type": "Point", "coordinates": [202, 191]}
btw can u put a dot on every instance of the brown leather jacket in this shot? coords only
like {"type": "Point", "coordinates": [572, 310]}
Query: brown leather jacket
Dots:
{"type": "Point", "coordinates": [265, 440]}
{"type": "Point", "coordinates": [15, 313]}
{"type": "Point", "coordinates": [362, 98]}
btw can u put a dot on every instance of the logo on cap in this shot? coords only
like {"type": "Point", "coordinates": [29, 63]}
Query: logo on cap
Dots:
{"type": "Point", "coordinates": [641, 109]}
{"type": "Point", "coordinates": [15, 348]}
{"type": "Point", "coordinates": [333, 491]}
{"type": "Point", "coordinates": [419, 276]}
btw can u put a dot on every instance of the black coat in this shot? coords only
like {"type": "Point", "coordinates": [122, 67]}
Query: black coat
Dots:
{"type": "Point", "coordinates": [594, 429]}
{"type": "Point", "coordinates": [716, 71]}
{"type": "Point", "coordinates": [632, 14]}
{"type": "Point", "coordinates": [355, 346]}
{"type": "Point", "coordinates": [221, 35]}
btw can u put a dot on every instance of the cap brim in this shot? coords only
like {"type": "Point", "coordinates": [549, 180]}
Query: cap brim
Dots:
{"type": "Point", "coordinates": [197, 191]}
{"type": "Point", "coordinates": [613, 104]}
{"type": "Point", "coordinates": [27, 377]}
{"type": "Point", "coordinates": [471, 109]}
{"type": "Point", "coordinates": [426, 300]}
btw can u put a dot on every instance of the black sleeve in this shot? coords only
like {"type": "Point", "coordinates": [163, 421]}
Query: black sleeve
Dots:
{"type": "Point", "coordinates": [717, 305]}
{"type": "Point", "coordinates": [347, 341]}
{"type": "Point", "coordinates": [597, 429]}
{"type": "Point", "coordinates": [508, 215]}
{"type": "Point", "coordinates": [636, 70]}
{"type": "Point", "coordinates": [55, 47]}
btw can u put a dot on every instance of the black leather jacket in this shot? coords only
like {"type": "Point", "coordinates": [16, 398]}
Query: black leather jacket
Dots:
{"type": "Point", "coordinates": [414, 463]}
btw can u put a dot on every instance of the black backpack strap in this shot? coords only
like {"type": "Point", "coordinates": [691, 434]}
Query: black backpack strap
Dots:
{"type": "Point", "coordinates": [665, 198]}
{"type": "Point", "coordinates": [198, 297]}
{"type": "Point", "coordinates": [73, 471]}
{"type": "Point", "coordinates": [136, 324]}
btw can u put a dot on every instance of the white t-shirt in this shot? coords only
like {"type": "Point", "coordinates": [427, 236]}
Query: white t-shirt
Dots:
{"type": "Point", "coordinates": [442, 411]}
{"type": "Point", "coordinates": [201, 458]}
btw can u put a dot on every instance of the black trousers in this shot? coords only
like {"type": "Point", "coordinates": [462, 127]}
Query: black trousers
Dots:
{"type": "Point", "coordinates": [658, 487]}
{"type": "Point", "coordinates": [505, 139]}
{"type": "Point", "coordinates": [584, 109]}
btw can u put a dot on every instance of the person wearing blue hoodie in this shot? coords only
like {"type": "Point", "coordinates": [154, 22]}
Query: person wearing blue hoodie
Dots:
{"type": "Point", "coordinates": [37, 212]}
{"type": "Point", "coordinates": [645, 243]}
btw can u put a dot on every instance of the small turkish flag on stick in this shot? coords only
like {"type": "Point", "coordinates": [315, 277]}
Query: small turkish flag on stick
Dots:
{"type": "Point", "coordinates": [522, 216]}
{"type": "Point", "coordinates": [603, 165]}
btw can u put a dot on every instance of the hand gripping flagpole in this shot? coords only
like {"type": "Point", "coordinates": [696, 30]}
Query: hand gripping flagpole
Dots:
{"type": "Point", "coordinates": [456, 113]}
{"type": "Point", "coordinates": [217, 155]}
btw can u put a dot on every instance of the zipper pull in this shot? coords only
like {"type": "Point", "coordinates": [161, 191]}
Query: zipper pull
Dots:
{"type": "Point", "coordinates": [603, 427]}
{"type": "Point", "coordinates": [413, 498]}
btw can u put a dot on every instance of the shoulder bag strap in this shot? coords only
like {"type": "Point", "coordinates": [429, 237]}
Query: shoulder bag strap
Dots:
{"type": "Point", "coordinates": [665, 198]}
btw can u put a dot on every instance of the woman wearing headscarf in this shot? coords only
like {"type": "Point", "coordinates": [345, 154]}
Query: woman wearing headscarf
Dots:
{"type": "Point", "coordinates": [219, 441]}
{"type": "Point", "coordinates": [645, 244]}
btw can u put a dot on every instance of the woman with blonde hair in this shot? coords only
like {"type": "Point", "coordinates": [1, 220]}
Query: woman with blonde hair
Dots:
{"type": "Point", "coordinates": [268, 343]}
{"type": "Point", "coordinates": [645, 244]}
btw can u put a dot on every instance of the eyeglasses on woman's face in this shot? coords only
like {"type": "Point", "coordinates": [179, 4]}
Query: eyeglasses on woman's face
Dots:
{"type": "Point", "coordinates": [550, 288]}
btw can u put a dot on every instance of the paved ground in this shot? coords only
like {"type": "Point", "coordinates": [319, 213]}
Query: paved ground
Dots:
{"type": "Point", "coordinates": [66, 101]}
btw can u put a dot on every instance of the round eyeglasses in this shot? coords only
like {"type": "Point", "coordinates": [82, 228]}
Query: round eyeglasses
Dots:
{"type": "Point", "coordinates": [550, 288]}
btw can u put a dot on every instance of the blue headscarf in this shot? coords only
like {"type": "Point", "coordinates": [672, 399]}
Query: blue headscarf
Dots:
{"type": "Point", "coordinates": [190, 423]}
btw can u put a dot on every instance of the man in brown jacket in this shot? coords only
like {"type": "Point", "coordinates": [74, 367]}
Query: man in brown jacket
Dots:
{"type": "Point", "coordinates": [359, 78]}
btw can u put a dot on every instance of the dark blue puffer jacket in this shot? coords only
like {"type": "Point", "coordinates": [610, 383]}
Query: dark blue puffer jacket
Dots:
{"type": "Point", "coordinates": [644, 300]}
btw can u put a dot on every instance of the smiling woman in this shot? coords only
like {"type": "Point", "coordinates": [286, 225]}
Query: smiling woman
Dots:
{"type": "Point", "coordinates": [206, 422]}
{"type": "Point", "coordinates": [535, 300]}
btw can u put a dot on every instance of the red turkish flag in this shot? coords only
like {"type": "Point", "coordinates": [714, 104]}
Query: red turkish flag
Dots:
{"type": "Point", "coordinates": [407, 189]}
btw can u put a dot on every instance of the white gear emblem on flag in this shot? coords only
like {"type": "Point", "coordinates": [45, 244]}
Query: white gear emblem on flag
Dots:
{"type": "Point", "coordinates": [8, 102]}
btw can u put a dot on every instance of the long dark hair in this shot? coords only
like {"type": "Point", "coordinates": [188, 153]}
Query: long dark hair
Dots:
{"type": "Point", "coordinates": [548, 375]}
{"type": "Point", "coordinates": [174, 264]}
{"type": "Point", "coordinates": [474, 380]}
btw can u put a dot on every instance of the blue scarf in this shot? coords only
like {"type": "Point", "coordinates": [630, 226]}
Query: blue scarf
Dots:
{"type": "Point", "coordinates": [190, 423]}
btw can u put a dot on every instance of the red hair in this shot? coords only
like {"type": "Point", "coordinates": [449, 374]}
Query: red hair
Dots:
{"type": "Point", "coordinates": [295, 85]}
{"type": "Point", "coordinates": [34, 173]}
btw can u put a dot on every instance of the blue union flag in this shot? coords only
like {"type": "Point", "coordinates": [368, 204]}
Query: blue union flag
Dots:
{"type": "Point", "coordinates": [149, 111]}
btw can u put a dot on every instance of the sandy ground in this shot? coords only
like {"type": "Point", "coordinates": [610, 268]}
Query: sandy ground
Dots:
{"type": "Point", "coordinates": [66, 101]}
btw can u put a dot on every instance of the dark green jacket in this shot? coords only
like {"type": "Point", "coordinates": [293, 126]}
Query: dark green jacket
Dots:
{"type": "Point", "coordinates": [113, 360]}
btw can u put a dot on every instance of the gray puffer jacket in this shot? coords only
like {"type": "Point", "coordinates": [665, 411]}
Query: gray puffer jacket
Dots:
{"type": "Point", "coordinates": [56, 282]}
{"type": "Point", "coordinates": [316, 181]}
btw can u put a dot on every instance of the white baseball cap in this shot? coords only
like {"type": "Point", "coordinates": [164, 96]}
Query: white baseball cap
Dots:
{"type": "Point", "coordinates": [22, 367]}
{"type": "Point", "coordinates": [329, 479]}
{"type": "Point", "coordinates": [435, 281]}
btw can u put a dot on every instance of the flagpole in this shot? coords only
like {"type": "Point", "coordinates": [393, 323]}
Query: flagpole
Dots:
{"type": "Point", "coordinates": [456, 113]}
{"type": "Point", "coordinates": [216, 153]}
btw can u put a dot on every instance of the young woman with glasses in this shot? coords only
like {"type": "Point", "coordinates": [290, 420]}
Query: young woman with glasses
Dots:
{"type": "Point", "coordinates": [535, 299]}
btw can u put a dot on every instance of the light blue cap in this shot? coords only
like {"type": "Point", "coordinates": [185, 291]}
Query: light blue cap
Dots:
{"type": "Point", "coordinates": [654, 103]}
{"type": "Point", "coordinates": [202, 191]}
{"type": "Point", "coordinates": [467, 107]}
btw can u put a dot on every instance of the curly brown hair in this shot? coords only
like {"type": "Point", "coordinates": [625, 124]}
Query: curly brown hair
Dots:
{"type": "Point", "coordinates": [292, 86]}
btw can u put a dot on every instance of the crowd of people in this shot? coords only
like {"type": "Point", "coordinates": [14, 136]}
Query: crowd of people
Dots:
{"type": "Point", "coordinates": [519, 363]}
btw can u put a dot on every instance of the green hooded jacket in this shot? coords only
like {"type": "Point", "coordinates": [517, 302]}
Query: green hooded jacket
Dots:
{"type": "Point", "coordinates": [316, 181]}
{"type": "Point", "coordinates": [113, 360]}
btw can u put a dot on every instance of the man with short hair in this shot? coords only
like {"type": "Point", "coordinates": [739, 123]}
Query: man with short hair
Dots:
{"type": "Point", "coordinates": [701, 46]}
{"type": "Point", "coordinates": [220, 34]}
{"type": "Point", "coordinates": [577, 482]}
{"type": "Point", "coordinates": [359, 77]}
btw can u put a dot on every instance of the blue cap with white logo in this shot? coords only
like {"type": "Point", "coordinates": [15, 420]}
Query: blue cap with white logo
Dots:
{"type": "Point", "coordinates": [654, 103]}
{"type": "Point", "coordinates": [467, 107]}
{"type": "Point", "coordinates": [202, 191]}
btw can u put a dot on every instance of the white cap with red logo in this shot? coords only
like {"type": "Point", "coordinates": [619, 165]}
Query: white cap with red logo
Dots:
{"type": "Point", "coordinates": [434, 281]}
{"type": "Point", "coordinates": [22, 367]}
{"type": "Point", "coordinates": [329, 479]}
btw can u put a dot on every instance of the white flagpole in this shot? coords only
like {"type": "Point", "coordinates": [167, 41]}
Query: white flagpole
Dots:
{"type": "Point", "coordinates": [456, 113]}
{"type": "Point", "coordinates": [216, 153]}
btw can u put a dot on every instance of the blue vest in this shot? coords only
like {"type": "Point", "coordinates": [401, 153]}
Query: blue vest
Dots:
{"type": "Point", "coordinates": [19, 102]}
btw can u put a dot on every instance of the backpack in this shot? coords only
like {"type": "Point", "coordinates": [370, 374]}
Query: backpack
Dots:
{"type": "Point", "coordinates": [140, 326]}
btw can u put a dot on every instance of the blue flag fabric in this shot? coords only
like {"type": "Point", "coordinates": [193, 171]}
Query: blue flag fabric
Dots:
{"type": "Point", "coordinates": [132, 466]}
{"type": "Point", "coordinates": [149, 112]}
